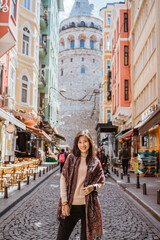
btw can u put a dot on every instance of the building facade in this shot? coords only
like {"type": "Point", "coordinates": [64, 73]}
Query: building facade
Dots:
{"type": "Point", "coordinates": [80, 71]}
{"type": "Point", "coordinates": [48, 56]}
{"type": "Point", "coordinates": [146, 73]}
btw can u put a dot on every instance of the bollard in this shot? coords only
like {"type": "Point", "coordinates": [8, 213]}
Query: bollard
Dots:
{"type": "Point", "coordinates": [34, 176]}
{"type": "Point", "coordinates": [6, 191]}
{"type": "Point", "coordinates": [158, 197]}
{"type": "Point", "coordinates": [128, 178]}
{"type": "Point", "coordinates": [39, 173]}
{"type": "Point", "coordinates": [138, 184]}
{"type": "Point", "coordinates": [28, 180]}
{"type": "Point", "coordinates": [19, 184]}
{"type": "Point", "coordinates": [144, 189]}
{"type": "Point", "coordinates": [117, 173]}
{"type": "Point", "coordinates": [112, 169]}
{"type": "Point", "coordinates": [43, 170]}
{"type": "Point", "coordinates": [122, 176]}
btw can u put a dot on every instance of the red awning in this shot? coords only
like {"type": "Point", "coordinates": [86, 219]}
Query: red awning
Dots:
{"type": "Point", "coordinates": [39, 132]}
{"type": "Point", "coordinates": [127, 134]}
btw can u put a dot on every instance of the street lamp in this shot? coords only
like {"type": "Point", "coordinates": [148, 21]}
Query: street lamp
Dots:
{"type": "Point", "coordinates": [4, 6]}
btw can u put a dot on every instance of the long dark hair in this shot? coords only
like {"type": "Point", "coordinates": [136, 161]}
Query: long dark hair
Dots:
{"type": "Point", "coordinates": [91, 151]}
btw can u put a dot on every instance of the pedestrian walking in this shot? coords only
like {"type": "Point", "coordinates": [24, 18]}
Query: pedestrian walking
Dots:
{"type": "Point", "coordinates": [124, 156]}
{"type": "Point", "coordinates": [61, 159]}
{"type": "Point", "coordinates": [99, 155]}
{"type": "Point", "coordinates": [82, 176]}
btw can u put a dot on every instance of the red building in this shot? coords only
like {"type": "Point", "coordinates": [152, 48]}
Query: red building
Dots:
{"type": "Point", "coordinates": [121, 66]}
{"type": "Point", "coordinates": [8, 36]}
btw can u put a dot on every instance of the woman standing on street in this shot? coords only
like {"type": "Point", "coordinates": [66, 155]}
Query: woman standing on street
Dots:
{"type": "Point", "coordinates": [82, 176]}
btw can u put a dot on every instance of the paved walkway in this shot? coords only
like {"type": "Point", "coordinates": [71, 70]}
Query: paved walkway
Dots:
{"type": "Point", "coordinates": [149, 201]}
{"type": "Point", "coordinates": [15, 196]}
{"type": "Point", "coordinates": [36, 218]}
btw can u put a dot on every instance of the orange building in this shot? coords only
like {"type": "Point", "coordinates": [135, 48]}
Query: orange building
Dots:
{"type": "Point", "coordinates": [121, 66]}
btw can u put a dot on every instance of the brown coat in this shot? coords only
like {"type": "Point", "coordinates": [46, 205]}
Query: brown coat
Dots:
{"type": "Point", "coordinates": [94, 175]}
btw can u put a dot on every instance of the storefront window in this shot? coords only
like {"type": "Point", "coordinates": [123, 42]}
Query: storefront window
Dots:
{"type": "Point", "coordinates": [150, 141]}
{"type": "Point", "coordinates": [145, 141]}
{"type": "Point", "coordinates": [155, 140]}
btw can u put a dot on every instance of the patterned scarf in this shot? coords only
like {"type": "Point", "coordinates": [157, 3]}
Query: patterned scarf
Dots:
{"type": "Point", "coordinates": [93, 211]}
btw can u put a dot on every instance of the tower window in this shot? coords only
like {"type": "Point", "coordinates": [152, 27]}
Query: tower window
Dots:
{"type": "Point", "coordinates": [82, 70]}
{"type": "Point", "coordinates": [91, 44]}
{"type": "Point", "coordinates": [72, 43]}
{"type": "Point", "coordinates": [81, 43]}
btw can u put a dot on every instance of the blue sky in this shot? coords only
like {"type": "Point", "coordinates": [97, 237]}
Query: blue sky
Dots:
{"type": "Point", "coordinates": [98, 4]}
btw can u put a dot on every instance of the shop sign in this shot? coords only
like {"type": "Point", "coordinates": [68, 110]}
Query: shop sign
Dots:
{"type": "Point", "coordinates": [10, 128]}
{"type": "Point", "coordinates": [147, 113]}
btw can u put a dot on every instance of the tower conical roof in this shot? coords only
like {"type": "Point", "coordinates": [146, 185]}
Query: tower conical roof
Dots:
{"type": "Point", "coordinates": [81, 8]}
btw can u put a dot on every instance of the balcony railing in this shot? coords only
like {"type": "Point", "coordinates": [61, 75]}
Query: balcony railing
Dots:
{"type": "Point", "coordinates": [74, 25]}
{"type": "Point", "coordinates": [42, 50]}
{"type": "Point", "coordinates": [42, 76]}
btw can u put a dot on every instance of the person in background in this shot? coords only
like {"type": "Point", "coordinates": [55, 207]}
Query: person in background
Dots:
{"type": "Point", "coordinates": [61, 159]}
{"type": "Point", "coordinates": [124, 156]}
{"type": "Point", "coordinates": [82, 176]}
{"type": "Point", "coordinates": [99, 155]}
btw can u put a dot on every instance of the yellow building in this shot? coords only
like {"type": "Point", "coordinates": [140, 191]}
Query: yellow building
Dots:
{"type": "Point", "coordinates": [28, 56]}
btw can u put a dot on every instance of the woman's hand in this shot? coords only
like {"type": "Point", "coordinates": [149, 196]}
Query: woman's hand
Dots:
{"type": "Point", "coordinates": [87, 190]}
{"type": "Point", "coordinates": [65, 210]}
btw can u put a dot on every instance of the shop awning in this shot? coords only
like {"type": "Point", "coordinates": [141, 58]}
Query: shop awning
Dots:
{"type": "Point", "coordinates": [39, 132]}
{"type": "Point", "coordinates": [60, 136]}
{"type": "Point", "coordinates": [121, 133]}
{"type": "Point", "coordinates": [130, 133]}
{"type": "Point", "coordinates": [106, 127]}
{"type": "Point", "coordinates": [153, 120]}
{"type": "Point", "coordinates": [7, 116]}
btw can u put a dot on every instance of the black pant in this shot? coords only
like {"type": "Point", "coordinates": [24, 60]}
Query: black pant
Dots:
{"type": "Point", "coordinates": [125, 166]}
{"type": "Point", "coordinates": [61, 166]}
{"type": "Point", "coordinates": [67, 225]}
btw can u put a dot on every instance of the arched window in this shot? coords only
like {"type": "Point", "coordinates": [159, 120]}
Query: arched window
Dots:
{"type": "Point", "coordinates": [82, 24]}
{"type": "Point", "coordinates": [82, 43]}
{"type": "Point", "coordinates": [24, 89]}
{"type": "Point", "coordinates": [26, 41]}
{"type": "Point", "coordinates": [72, 43]}
{"type": "Point", "coordinates": [91, 44]}
{"type": "Point", "coordinates": [83, 69]}
{"type": "Point", "coordinates": [92, 25]}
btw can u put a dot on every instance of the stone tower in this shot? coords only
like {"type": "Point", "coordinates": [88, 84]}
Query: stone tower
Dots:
{"type": "Point", "coordinates": [80, 71]}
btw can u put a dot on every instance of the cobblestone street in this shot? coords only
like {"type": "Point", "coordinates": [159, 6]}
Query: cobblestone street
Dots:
{"type": "Point", "coordinates": [36, 218]}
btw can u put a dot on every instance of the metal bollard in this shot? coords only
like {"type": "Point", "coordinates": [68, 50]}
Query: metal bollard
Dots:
{"type": "Point", "coordinates": [122, 176]}
{"type": "Point", "coordinates": [117, 173]}
{"type": "Point", "coordinates": [19, 184]}
{"type": "Point", "coordinates": [34, 176]}
{"type": "Point", "coordinates": [138, 184]}
{"type": "Point", "coordinates": [6, 191]}
{"type": "Point", "coordinates": [43, 170]}
{"type": "Point", "coordinates": [39, 173]}
{"type": "Point", "coordinates": [28, 180]}
{"type": "Point", "coordinates": [158, 197]}
{"type": "Point", "coordinates": [144, 189]}
{"type": "Point", "coordinates": [128, 178]}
